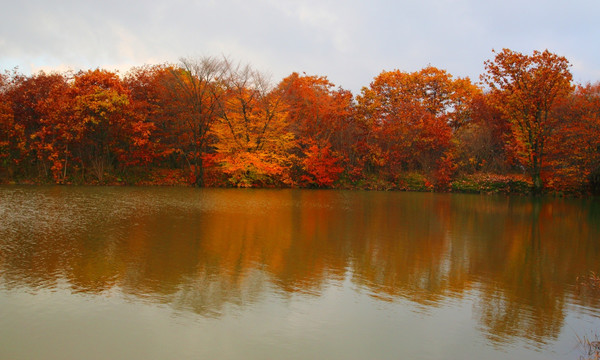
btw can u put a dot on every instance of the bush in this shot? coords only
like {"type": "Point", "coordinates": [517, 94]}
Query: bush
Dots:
{"type": "Point", "coordinates": [413, 181]}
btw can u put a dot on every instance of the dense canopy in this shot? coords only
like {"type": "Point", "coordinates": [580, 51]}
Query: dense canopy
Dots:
{"type": "Point", "coordinates": [214, 122]}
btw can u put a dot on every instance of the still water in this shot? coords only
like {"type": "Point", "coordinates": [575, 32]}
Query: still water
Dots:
{"type": "Point", "coordinates": [179, 273]}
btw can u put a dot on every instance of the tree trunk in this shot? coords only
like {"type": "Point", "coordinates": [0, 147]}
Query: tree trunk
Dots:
{"type": "Point", "coordinates": [537, 182]}
{"type": "Point", "coordinates": [536, 177]}
{"type": "Point", "coordinates": [199, 172]}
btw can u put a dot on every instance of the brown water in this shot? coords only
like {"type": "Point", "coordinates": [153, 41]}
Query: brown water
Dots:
{"type": "Point", "coordinates": [178, 273]}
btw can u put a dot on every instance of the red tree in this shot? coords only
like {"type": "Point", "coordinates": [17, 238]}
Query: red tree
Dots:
{"type": "Point", "coordinates": [526, 89]}
{"type": "Point", "coordinates": [321, 117]}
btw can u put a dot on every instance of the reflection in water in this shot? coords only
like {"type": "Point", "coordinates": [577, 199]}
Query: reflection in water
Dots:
{"type": "Point", "coordinates": [204, 251]}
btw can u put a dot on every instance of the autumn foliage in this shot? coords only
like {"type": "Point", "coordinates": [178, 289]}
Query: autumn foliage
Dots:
{"type": "Point", "coordinates": [408, 120]}
{"type": "Point", "coordinates": [527, 89]}
{"type": "Point", "coordinates": [211, 122]}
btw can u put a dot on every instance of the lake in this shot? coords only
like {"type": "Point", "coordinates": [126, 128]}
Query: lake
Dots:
{"type": "Point", "coordinates": [183, 273]}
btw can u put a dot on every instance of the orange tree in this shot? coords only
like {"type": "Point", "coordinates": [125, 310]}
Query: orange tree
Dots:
{"type": "Point", "coordinates": [407, 121]}
{"type": "Point", "coordinates": [526, 89]}
{"type": "Point", "coordinates": [152, 89]}
{"type": "Point", "coordinates": [254, 146]}
{"type": "Point", "coordinates": [87, 128]}
{"type": "Point", "coordinates": [575, 148]}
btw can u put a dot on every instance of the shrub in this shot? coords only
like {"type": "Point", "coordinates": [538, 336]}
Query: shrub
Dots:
{"type": "Point", "coordinates": [413, 181]}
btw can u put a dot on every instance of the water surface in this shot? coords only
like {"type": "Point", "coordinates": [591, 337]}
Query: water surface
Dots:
{"type": "Point", "coordinates": [178, 273]}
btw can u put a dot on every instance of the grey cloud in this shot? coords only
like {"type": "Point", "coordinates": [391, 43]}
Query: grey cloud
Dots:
{"type": "Point", "coordinates": [348, 41]}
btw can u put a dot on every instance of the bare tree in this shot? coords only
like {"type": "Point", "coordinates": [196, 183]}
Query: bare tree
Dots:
{"type": "Point", "coordinates": [196, 86]}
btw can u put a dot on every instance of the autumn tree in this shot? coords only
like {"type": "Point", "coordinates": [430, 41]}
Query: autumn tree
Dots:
{"type": "Point", "coordinates": [101, 119]}
{"type": "Point", "coordinates": [195, 88]}
{"type": "Point", "coordinates": [53, 143]}
{"type": "Point", "coordinates": [11, 133]}
{"type": "Point", "coordinates": [481, 140]}
{"type": "Point", "coordinates": [321, 118]}
{"type": "Point", "coordinates": [526, 89]}
{"type": "Point", "coordinates": [408, 118]}
{"type": "Point", "coordinates": [436, 91]}
{"type": "Point", "coordinates": [30, 99]}
{"type": "Point", "coordinates": [151, 94]}
{"type": "Point", "coordinates": [574, 150]}
{"type": "Point", "coordinates": [88, 126]}
{"type": "Point", "coordinates": [254, 144]}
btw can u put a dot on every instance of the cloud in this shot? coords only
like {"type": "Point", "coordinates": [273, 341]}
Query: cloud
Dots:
{"type": "Point", "coordinates": [349, 41]}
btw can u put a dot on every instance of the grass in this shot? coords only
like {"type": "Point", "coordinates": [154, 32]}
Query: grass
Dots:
{"type": "Point", "coordinates": [492, 184]}
{"type": "Point", "coordinates": [590, 346]}
{"type": "Point", "coordinates": [591, 282]}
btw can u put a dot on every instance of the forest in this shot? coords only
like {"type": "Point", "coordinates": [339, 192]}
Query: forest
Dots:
{"type": "Point", "coordinates": [523, 127]}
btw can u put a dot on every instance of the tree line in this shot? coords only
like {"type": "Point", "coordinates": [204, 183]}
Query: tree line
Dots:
{"type": "Point", "coordinates": [526, 127]}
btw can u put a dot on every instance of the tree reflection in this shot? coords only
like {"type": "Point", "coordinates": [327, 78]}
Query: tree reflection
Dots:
{"type": "Point", "coordinates": [203, 251]}
{"type": "Point", "coordinates": [527, 300]}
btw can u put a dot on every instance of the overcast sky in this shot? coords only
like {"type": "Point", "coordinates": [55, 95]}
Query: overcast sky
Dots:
{"type": "Point", "coordinates": [348, 41]}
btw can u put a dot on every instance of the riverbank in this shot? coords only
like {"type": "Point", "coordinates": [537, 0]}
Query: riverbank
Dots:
{"type": "Point", "coordinates": [478, 183]}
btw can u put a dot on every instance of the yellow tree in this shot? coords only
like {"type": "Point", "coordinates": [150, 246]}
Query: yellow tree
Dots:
{"type": "Point", "coordinates": [99, 110]}
{"type": "Point", "coordinates": [526, 89]}
{"type": "Point", "coordinates": [254, 144]}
